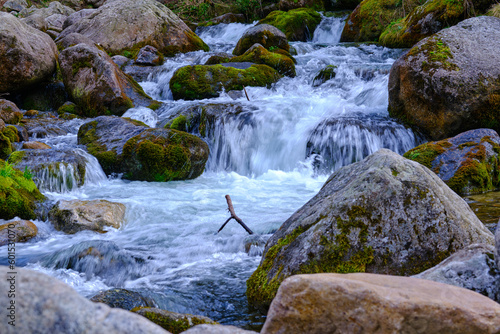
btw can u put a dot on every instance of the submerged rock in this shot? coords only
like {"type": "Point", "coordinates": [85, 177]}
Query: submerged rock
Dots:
{"type": "Point", "coordinates": [172, 321]}
{"type": "Point", "coordinates": [327, 73]}
{"type": "Point", "coordinates": [368, 303]}
{"type": "Point", "coordinates": [49, 306]}
{"type": "Point", "coordinates": [98, 258]}
{"type": "Point", "coordinates": [263, 34]}
{"type": "Point", "coordinates": [468, 163]}
{"type": "Point", "coordinates": [123, 298]}
{"type": "Point", "coordinates": [27, 56]}
{"type": "Point", "coordinates": [143, 153]}
{"type": "Point", "coordinates": [207, 81]}
{"type": "Point", "coordinates": [385, 215]}
{"type": "Point", "coordinates": [96, 84]}
{"type": "Point", "coordinates": [76, 215]}
{"type": "Point", "coordinates": [297, 24]}
{"type": "Point", "coordinates": [17, 231]}
{"type": "Point", "coordinates": [472, 268]}
{"type": "Point", "coordinates": [128, 25]}
{"type": "Point", "coordinates": [450, 82]}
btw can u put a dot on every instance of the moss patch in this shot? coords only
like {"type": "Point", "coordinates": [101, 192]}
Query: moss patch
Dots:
{"type": "Point", "coordinates": [259, 55]}
{"type": "Point", "coordinates": [297, 24]}
{"type": "Point", "coordinates": [18, 193]}
{"type": "Point", "coordinates": [426, 153]}
{"type": "Point", "coordinates": [172, 322]}
{"type": "Point", "coordinates": [203, 81]}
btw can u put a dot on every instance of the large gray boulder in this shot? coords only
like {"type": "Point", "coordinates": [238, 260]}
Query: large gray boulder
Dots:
{"type": "Point", "coordinates": [368, 303]}
{"type": "Point", "coordinates": [472, 268]}
{"type": "Point", "coordinates": [450, 82]}
{"type": "Point", "coordinates": [96, 84]}
{"type": "Point", "coordinates": [45, 305]}
{"type": "Point", "coordinates": [384, 214]}
{"type": "Point", "coordinates": [27, 56]}
{"type": "Point", "coordinates": [129, 25]}
{"type": "Point", "coordinates": [76, 215]}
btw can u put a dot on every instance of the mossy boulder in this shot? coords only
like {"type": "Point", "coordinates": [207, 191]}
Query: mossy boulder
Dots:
{"type": "Point", "coordinates": [75, 215]}
{"type": "Point", "coordinates": [257, 54]}
{"type": "Point", "coordinates": [22, 231]}
{"type": "Point", "coordinates": [173, 322]}
{"type": "Point", "coordinates": [449, 83]}
{"type": "Point", "coordinates": [143, 153]}
{"type": "Point", "coordinates": [297, 24]}
{"type": "Point", "coordinates": [428, 19]}
{"type": "Point", "coordinates": [96, 84]}
{"type": "Point", "coordinates": [207, 81]}
{"type": "Point", "coordinates": [266, 35]}
{"type": "Point", "coordinates": [9, 112]}
{"type": "Point", "coordinates": [327, 73]}
{"type": "Point", "coordinates": [129, 25]}
{"type": "Point", "coordinates": [371, 17]}
{"type": "Point", "coordinates": [123, 298]}
{"type": "Point", "coordinates": [468, 163]}
{"type": "Point", "coordinates": [27, 55]}
{"type": "Point", "coordinates": [385, 214]}
{"type": "Point", "coordinates": [18, 193]}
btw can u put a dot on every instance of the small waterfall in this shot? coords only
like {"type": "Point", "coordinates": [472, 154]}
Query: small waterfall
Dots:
{"type": "Point", "coordinates": [341, 141]}
{"type": "Point", "coordinates": [142, 114]}
{"type": "Point", "coordinates": [329, 30]}
{"type": "Point", "coordinates": [222, 37]}
{"type": "Point", "coordinates": [64, 170]}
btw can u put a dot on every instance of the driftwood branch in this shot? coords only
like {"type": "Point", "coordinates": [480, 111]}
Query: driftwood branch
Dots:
{"type": "Point", "coordinates": [247, 99]}
{"type": "Point", "coordinates": [233, 216]}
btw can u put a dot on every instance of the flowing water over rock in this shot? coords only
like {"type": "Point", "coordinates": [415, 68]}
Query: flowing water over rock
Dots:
{"type": "Point", "coordinates": [271, 154]}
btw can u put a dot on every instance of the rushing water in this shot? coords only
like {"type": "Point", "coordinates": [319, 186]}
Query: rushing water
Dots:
{"type": "Point", "coordinates": [271, 159]}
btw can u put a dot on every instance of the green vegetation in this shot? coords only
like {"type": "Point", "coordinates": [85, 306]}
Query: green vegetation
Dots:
{"type": "Point", "coordinates": [18, 193]}
{"type": "Point", "coordinates": [494, 10]}
{"type": "Point", "coordinates": [172, 322]}
{"type": "Point", "coordinates": [426, 153]}
{"type": "Point", "coordinates": [259, 55]}
{"type": "Point", "coordinates": [201, 81]}
{"type": "Point", "coordinates": [297, 24]}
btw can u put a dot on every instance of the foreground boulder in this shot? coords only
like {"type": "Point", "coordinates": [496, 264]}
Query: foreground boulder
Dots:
{"type": "Point", "coordinates": [384, 214]}
{"type": "Point", "coordinates": [27, 56]}
{"type": "Point", "coordinates": [367, 303]}
{"type": "Point", "coordinates": [123, 298]}
{"type": "Point", "coordinates": [172, 321]}
{"type": "Point", "coordinates": [207, 81]}
{"type": "Point", "coordinates": [50, 306]}
{"type": "Point", "coordinates": [127, 26]}
{"type": "Point", "coordinates": [18, 193]}
{"type": "Point", "coordinates": [297, 24]}
{"type": "Point", "coordinates": [17, 231]}
{"type": "Point", "coordinates": [75, 215]}
{"type": "Point", "coordinates": [468, 163]}
{"type": "Point", "coordinates": [142, 153]}
{"type": "Point", "coordinates": [472, 268]}
{"type": "Point", "coordinates": [264, 34]}
{"type": "Point", "coordinates": [450, 82]}
{"type": "Point", "coordinates": [96, 84]}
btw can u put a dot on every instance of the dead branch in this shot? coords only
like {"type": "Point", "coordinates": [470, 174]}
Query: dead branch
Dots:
{"type": "Point", "coordinates": [247, 99]}
{"type": "Point", "coordinates": [233, 216]}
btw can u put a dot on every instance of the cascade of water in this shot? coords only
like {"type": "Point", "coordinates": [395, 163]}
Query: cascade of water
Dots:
{"type": "Point", "coordinates": [329, 30]}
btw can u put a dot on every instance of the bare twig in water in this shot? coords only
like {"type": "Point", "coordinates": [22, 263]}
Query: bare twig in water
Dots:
{"type": "Point", "coordinates": [233, 216]}
{"type": "Point", "coordinates": [247, 98]}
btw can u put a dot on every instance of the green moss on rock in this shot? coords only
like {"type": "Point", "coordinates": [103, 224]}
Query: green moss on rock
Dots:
{"type": "Point", "coordinates": [11, 132]}
{"type": "Point", "coordinates": [297, 24]}
{"type": "Point", "coordinates": [175, 323]}
{"type": "Point", "coordinates": [5, 146]}
{"type": "Point", "coordinates": [18, 194]}
{"type": "Point", "coordinates": [259, 55]}
{"type": "Point", "coordinates": [426, 153]}
{"type": "Point", "coordinates": [180, 123]}
{"type": "Point", "coordinates": [207, 81]}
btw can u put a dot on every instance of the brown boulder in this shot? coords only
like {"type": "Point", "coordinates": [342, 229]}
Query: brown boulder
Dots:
{"type": "Point", "coordinates": [368, 303]}
{"type": "Point", "coordinates": [9, 112]}
{"type": "Point", "coordinates": [19, 230]}
{"type": "Point", "coordinates": [27, 56]}
{"type": "Point", "coordinates": [127, 26]}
